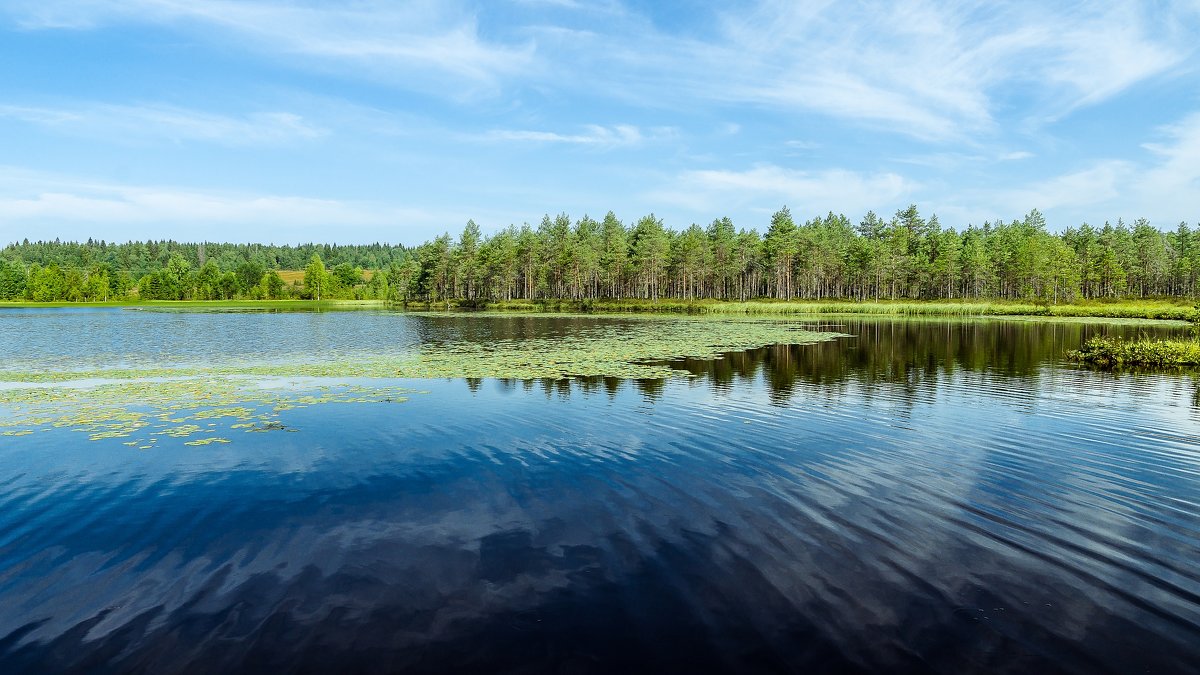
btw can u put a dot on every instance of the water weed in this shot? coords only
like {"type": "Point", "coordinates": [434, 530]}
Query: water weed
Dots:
{"type": "Point", "coordinates": [154, 403]}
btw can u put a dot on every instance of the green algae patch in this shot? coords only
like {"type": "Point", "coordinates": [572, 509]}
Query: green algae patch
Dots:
{"type": "Point", "coordinates": [628, 347]}
{"type": "Point", "coordinates": [146, 414]}
{"type": "Point", "coordinates": [631, 348]}
{"type": "Point", "coordinates": [207, 441]}
{"type": "Point", "coordinates": [161, 404]}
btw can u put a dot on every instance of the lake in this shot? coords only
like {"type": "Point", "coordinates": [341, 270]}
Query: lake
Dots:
{"type": "Point", "coordinates": [915, 495]}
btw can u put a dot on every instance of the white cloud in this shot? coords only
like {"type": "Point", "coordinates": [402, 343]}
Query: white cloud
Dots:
{"type": "Point", "coordinates": [959, 92]}
{"type": "Point", "coordinates": [71, 207]}
{"type": "Point", "coordinates": [125, 122]}
{"type": "Point", "coordinates": [621, 134]}
{"type": "Point", "coordinates": [1173, 183]}
{"type": "Point", "coordinates": [768, 186]}
{"type": "Point", "coordinates": [935, 70]}
{"type": "Point", "coordinates": [1163, 187]}
{"type": "Point", "coordinates": [1090, 188]}
{"type": "Point", "coordinates": [416, 44]}
{"type": "Point", "coordinates": [564, 4]}
{"type": "Point", "coordinates": [1105, 52]}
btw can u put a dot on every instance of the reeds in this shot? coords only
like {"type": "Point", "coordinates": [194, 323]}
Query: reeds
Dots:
{"type": "Point", "coordinates": [1159, 310]}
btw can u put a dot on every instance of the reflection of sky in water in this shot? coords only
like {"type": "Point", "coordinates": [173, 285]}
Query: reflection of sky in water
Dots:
{"type": "Point", "coordinates": [124, 338]}
{"type": "Point", "coordinates": [877, 506]}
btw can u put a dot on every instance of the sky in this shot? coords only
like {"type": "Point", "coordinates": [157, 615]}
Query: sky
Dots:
{"type": "Point", "coordinates": [357, 121]}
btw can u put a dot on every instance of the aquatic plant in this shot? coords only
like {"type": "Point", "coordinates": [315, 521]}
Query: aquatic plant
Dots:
{"type": "Point", "coordinates": [1110, 353]}
{"type": "Point", "coordinates": [147, 412]}
{"type": "Point", "coordinates": [1144, 309]}
{"type": "Point", "coordinates": [155, 402]}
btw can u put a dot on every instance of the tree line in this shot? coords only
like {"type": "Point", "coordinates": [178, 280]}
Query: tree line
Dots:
{"type": "Point", "coordinates": [906, 256]}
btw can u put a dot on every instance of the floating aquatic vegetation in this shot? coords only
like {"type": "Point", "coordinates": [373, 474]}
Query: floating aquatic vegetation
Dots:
{"type": "Point", "coordinates": [147, 405]}
{"type": "Point", "coordinates": [207, 441]}
{"type": "Point", "coordinates": [149, 411]}
{"type": "Point", "coordinates": [602, 346]}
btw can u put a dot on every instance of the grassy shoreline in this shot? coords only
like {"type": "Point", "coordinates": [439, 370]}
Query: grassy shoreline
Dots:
{"type": "Point", "coordinates": [1181, 310]}
{"type": "Point", "coordinates": [202, 304]}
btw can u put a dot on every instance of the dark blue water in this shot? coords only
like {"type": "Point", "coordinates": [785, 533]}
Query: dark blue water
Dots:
{"type": "Point", "coordinates": [924, 497]}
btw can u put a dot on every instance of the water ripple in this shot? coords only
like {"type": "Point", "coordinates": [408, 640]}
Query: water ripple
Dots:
{"type": "Point", "coordinates": [871, 505]}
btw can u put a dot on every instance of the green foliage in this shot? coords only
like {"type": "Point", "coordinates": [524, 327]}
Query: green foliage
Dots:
{"type": "Point", "coordinates": [249, 274]}
{"type": "Point", "coordinates": [271, 286]}
{"type": "Point", "coordinates": [905, 258]}
{"type": "Point", "coordinates": [140, 258]}
{"type": "Point", "coordinates": [12, 280]}
{"type": "Point", "coordinates": [316, 278]}
{"type": "Point", "coordinates": [1110, 353]}
{"type": "Point", "coordinates": [346, 275]}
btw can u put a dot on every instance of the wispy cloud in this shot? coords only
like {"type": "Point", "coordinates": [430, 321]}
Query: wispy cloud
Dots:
{"type": "Point", "coordinates": [768, 186]}
{"type": "Point", "coordinates": [1091, 187]}
{"type": "Point", "coordinates": [1172, 183]}
{"type": "Point", "coordinates": [935, 70]}
{"type": "Point", "coordinates": [125, 122]}
{"type": "Point", "coordinates": [81, 208]}
{"type": "Point", "coordinates": [821, 105]}
{"type": "Point", "coordinates": [1163, 186]}
{"type": "Point", "coordinates": [417, 43]}
{"type": "Point", "coordinates": [564, 4]}
{"type": "Point", "coordinates": [1105, 51]}
{"type": "Point", "coordinates": [593, 135]}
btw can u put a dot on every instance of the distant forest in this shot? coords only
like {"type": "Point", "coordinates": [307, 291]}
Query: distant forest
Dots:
{"type": "Point", "coordinates": [827, 257]}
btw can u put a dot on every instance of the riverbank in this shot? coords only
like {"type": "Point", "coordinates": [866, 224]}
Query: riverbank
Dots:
{"type": "Point", "coordinates": [210, 304]}
{"type": "Point", "coordinates": [1180, 310]}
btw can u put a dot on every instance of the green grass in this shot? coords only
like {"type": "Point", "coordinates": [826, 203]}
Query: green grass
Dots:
{"type": "Point", "coordinates": [1112, 353]}
{"type": "Point", "coordinates": [1148, 309]}
{"type": "Point", "coordinates": [220, 305]}
{"type": "Point", "coordinates": [1172, 310]}
{"type": "Point", "coordinates": [210, 304]}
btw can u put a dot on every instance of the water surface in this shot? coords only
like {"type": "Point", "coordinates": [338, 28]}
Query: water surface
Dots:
{"type": "Point", "coordinates": [924, 496]}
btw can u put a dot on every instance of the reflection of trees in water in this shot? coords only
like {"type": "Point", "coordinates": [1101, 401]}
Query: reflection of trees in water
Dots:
{"type": "Point", "coordinates": [651, 390]}
{"type": "Point", "coordinates": [453, 327]}
{"type": "Point", "coordinates": [913, 355]}
{"type": "Point", "coordinates": [902, 359]}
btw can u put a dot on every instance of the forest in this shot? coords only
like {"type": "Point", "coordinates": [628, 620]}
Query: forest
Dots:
{"type": "Point", "coordinates": [827, 257]}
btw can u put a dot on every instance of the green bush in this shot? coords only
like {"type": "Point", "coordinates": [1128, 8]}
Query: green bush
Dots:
{"type": "Point", "coordinates": [1109, 353]}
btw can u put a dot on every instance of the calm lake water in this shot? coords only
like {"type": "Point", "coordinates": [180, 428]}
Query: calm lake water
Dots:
{"type": "Point", "coordinates": [923, 496]}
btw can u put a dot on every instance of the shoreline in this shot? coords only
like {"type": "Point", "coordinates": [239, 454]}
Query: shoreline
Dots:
{"type": "Point", "coordinates": [1145, 310]}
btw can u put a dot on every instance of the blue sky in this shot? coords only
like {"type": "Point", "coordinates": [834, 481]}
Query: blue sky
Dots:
{"type": "Point", "coordinates": [366, 120]}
